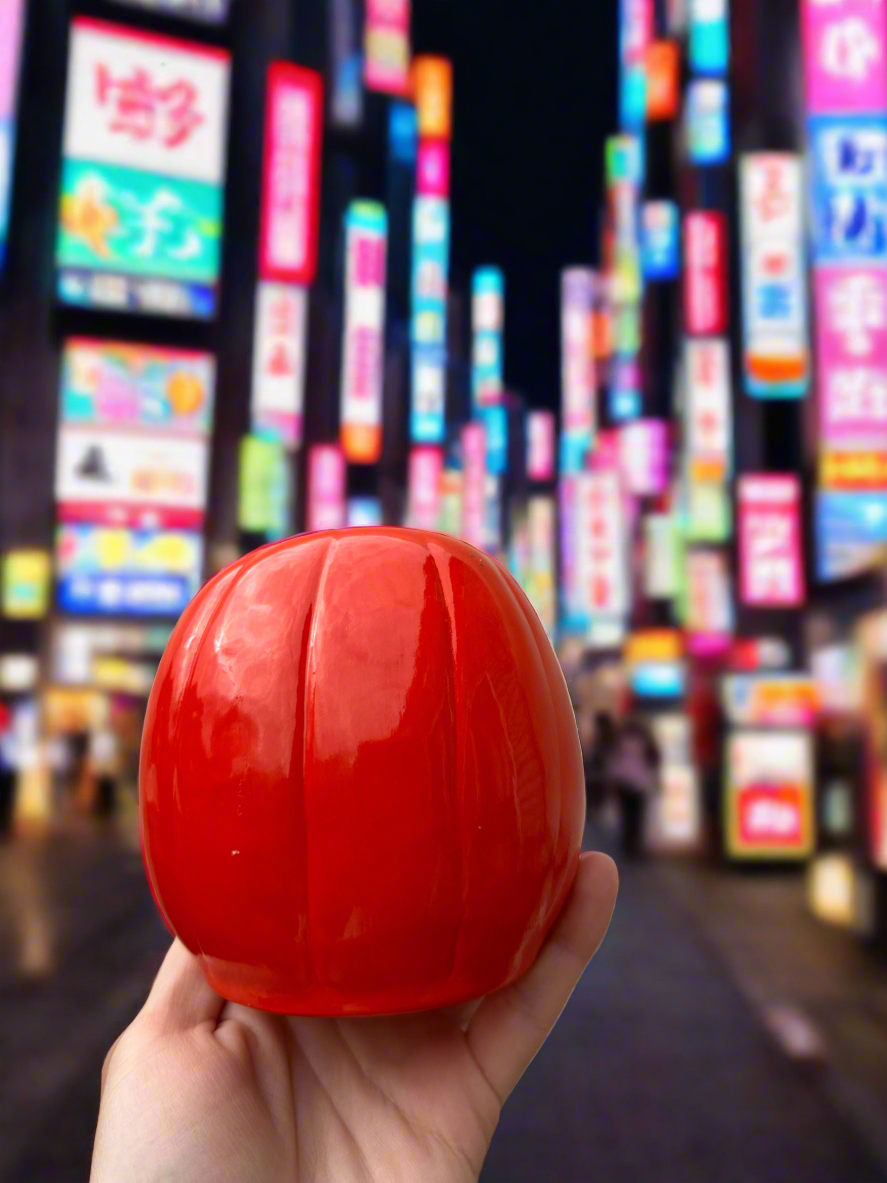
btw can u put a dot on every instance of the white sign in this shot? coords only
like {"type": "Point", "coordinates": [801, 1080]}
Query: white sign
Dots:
{"type": "Point", "coordinates": [661, 573]}
{"type": "Point", "coordinates": [709, 426]}
{"type": "Point", "coordinates": [279, 361]}
{"type": "Point", "coordinates": [146, 102]}
{"type": "Point", "coordinates": [108, 468]}
{"type": "Point", "coordinates": [602, 544]}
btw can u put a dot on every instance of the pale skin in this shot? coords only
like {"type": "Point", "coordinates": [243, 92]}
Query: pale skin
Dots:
{"type": "Point", "coordinates": [200, 1089]}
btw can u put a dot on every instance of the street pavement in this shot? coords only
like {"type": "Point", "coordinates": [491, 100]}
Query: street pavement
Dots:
{"type": "Point", "coordinates": [665, 1067]}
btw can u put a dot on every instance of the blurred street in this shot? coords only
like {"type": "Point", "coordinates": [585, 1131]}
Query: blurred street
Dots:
{"type": "Point", "coordinates": [673, 1062]}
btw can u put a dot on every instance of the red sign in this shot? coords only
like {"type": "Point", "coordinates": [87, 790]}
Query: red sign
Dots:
{"type": "Point", "coordinates": [705, 274]}
{"type": "Point", "coordinates": [663, 80]}
{"type": "Point", "coordinates": [291, 179]}
{"type": "Point", "coordinates": [433, 169]}
{"type": "Point", "coordinates": [771, 567]}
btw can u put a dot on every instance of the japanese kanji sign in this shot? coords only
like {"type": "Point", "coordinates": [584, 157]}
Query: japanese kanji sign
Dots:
{"type": "Point", "coordinates": [602, 557]}
{"type": "Point", "coordinates": [851, 315]}
{"type": "Point", "coordinates": [578, 382]}
{"type": "Point", "coordinates": [431, 260]}
{"type": "Point", "coordinates": [708, 410]}
{"type": "Point", "coordinates": [849, 183]}
{"type": "Point", "coordinates": [771, 565]}
{"type": "Point", "coordinates": [144, 158]}
{"type": "Point", "coordinates": [776, 354]}
{"type": "Point", "coordinates": [291, 180]}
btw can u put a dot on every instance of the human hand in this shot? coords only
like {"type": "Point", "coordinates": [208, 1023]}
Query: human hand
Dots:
{"type": "Point", "coordinates": [200, 1090]}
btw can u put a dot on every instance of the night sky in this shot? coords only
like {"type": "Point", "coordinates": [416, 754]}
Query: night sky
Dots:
{"type": "Point", "coordinates": [535, 95]}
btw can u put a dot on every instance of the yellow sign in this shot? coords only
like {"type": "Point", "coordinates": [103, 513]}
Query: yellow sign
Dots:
{"type": "Point", "coordinates": [26, 575]}
{"type": "Point", "coordinates": [655, 647]}
{"type": "Point", "coordinates": [854, 470]}
{"type": "Point", "coordinates": [433, 93]}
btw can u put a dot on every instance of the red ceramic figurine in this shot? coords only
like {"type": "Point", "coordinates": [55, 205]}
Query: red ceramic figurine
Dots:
{"type": "Point", "coordinates": [361, 782]}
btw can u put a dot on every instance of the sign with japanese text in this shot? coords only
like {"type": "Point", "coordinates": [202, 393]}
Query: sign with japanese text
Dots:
{"type": "Point", "coordinates": [540, 445]}
{"type": "Point", "coordinates": [776, 354]}
{"type": "Point", "coordinates": [709, 50]}
{"type": "Point", "coordinates": [495, 421]}
{"type": "Point", "coordinates": [112, 384]}
{"type": "Point", "coordinates": [677, 809]}
{"type": "Point", "coordinates": [540, 584]}
{"type": "Point", "coordinates": [770, 700]}
{"type": "Point", "coordinates": [709, 607]}
{"type": "Point", "coordinates": [291, 177]}
{"type": "Point", "coordinates": [708, 121]}
{"type": "Point", "coordinates": [387, 46]}
{"type": "Point", "coordinates": [661, 241]}
{"type": "Point", "coordinates": [366, 236]}
{"type": "Point", "coordinates": [851, 350]}
{"type": "Point", "coordinates": [143, 171]}
{"type": "Point", "coordinates": [770, 555]}
{"type": "Point", "coordinates": [474, 484]}
{"type": "Point", "coordinates": [663, 80]}
{"type": "Point", "coordinates": [488, 326]}
{"type": "Point", "coordinates": [851, 529]}
{"type": "Point", "coordinates": [429, 387]}
{"type": "Point", "coordinates": [602, 558]}
{"type": "Point", "coordinates": [326, 488]}
{"type": "Point", "coordinates": [849, 188]}
{"type": "Point", "coordinates": [11, 32]}
{"type": "Point", "coordinates": [279, 345]}
{"type": "Point", "coordinates": [423, 487]}
{"type": "Point", "coordinates": [433, 169]}
{"type": "Point", "coordinates": [209, 12]}
{"type": "Point", "coordinates": [708, 411]}
{"type": "Point", "coordinates": [643, 447]}
{"type": "Point", "coordinates": [844, 52]}
{"type": "Point", "coordinates": [859, 470]}
{"type": "Point", "coordinates": [130, 478]}
{"type": "Point", "coordinates": [433, 93]}
{"type": "Point", "coordinates": [705, 274]}
{"type": "Point", "coordinates": [635, 33]}
{"type": "Point", "coordinates": [573, 608]}
{"type": "Point", "coordinates": [578, 376]}
{"type": "Point", "coordinates": [769, 803]}
{"type": "Point", "coordinates": [111, 571]}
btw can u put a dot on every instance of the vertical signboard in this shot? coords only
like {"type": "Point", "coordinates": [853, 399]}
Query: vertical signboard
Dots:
{"type": "Point", "coordinates": [770, 559]}
{"type": "Point", "coordinates": [708, 411]}
{"type": "Point", "coordinates": [644, 457]}
{"type": "Point", "coordinates": [540, 586]}
{"type": "Point", "coordinates": [705, 274]}
{"type": "Point", "coordinates": [776, 358]}
{"type": "Point", "coordinates": [433, 93]}
{"type": "Point", "coordinates": [661, 241]}
{"type": "Point", "coordinates": [635, 33]}
{"type": "Point", "coordinates": [387, 46]}
{"type": "Point", "coordinates": [11, 32]}
{"type": "Point", "coordinates": [423, 492]}
{"type": "Point", "coordinates": [602, 558]}
{"type": "Point", "coordinates": [851, 352]}
{"type": "Point", "coordinates": [474, 491]}
{"type": "Point", "coordinates": [278, 377]}
{"type": "Point", "coordinates": [709, 49]}
{"type": "Point", "coordinates": [540, 446]}
{"type": "Point", "coordinates": [345, 64]}
{"type": "Point", "coordinates": [366, 231]}
{"type": "Point", "coordinates": [663, 81]}
{"type": "Point", "coordinates": [291, 179]}
{"type": "Point", "coordinates": [708, 121]}
{"type": "Point", "coordinates": [488, 324]}
{"type": "Point", "coordinates": [143, 170]}
{"type": "Point", "coordinates": [578, 377]}
{"type": "Point", "coordinates": [431, 248]}
{"type": "Point", "coordinates": [326, 488]}
{"type": "Point", "coordinates": [709, 608]}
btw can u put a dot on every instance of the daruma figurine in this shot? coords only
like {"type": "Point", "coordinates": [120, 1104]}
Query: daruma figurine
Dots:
{"type": "Point", "coordinates": [361, 782]}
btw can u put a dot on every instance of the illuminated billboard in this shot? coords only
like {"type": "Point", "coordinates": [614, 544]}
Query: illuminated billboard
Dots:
{"type": "Point", "coordinates": [143, 171]}
{"type": "Point", "coordinates": [706, 311]}
{"type": "Point", "coordinates": [387, 46]}
{"type": "Point", "coordinates": [844, 47]}
{"type": "Point", "coordinates": [488, 326]}
{"type": "Point", "coordinates": [849, 187]}
{"type": "Point", "coordinates": [279, 349]}
{"type": "Point", "coordinates": [116, 571]}
{"type": "Point", "coordinates": [770, 556]}
{"type": "Point", "coordinates": [769, 799]}
{"type": "Point", "coordinates": [12, 14]}
{"type": "Point", "coordinates": [290, 212]}
{"type": "Point", "coordinates": [326, 488]}
{"type": "Point", "coordinates": [363, 349]}
{"type": "Point", "coordinates": [776, 354]}
{"type": "Point", "coordinates": [578, 372]}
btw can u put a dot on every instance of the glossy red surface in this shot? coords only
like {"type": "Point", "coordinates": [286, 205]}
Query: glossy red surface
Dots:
{"type": "Point", "coordinates": [361, 781]}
